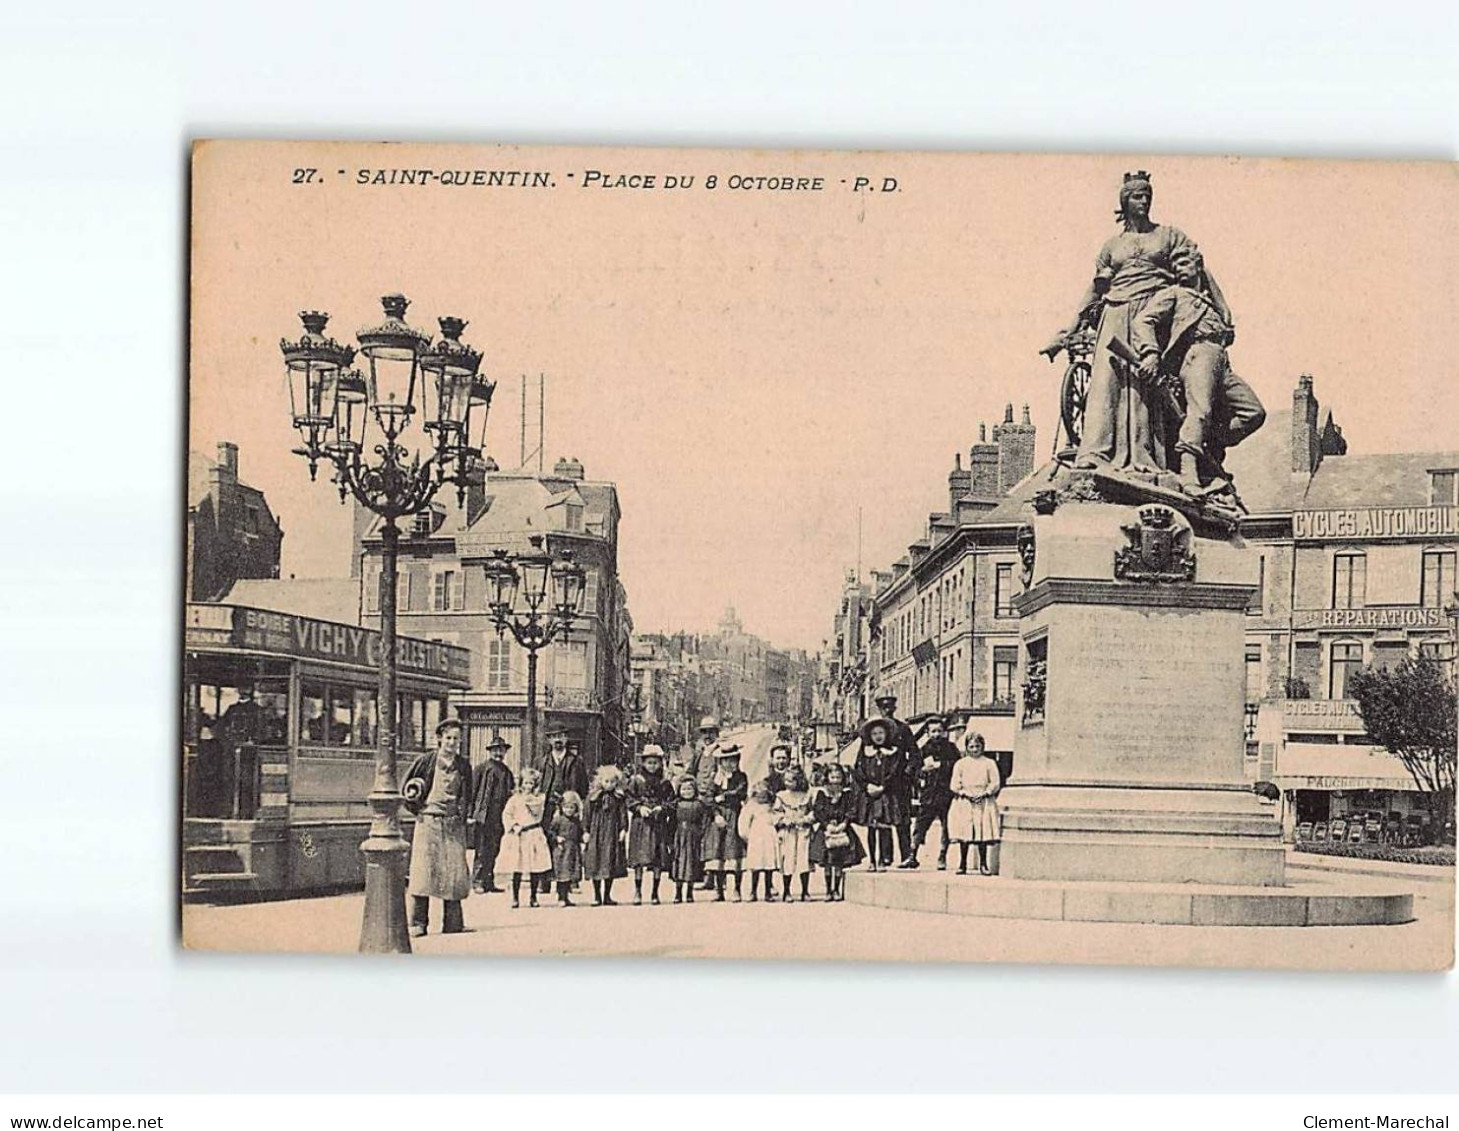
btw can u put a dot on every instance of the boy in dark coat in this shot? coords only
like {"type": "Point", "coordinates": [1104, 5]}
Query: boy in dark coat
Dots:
{"type": "Point", "coordinates": [934, 789]}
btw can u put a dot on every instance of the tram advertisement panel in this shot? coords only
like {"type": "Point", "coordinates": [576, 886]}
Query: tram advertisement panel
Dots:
{"type": "Point", "coordinates": [289, 634]}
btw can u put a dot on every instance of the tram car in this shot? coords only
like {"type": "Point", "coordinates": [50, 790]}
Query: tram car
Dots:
{"type": "Point", "coordinates": [280, 732]}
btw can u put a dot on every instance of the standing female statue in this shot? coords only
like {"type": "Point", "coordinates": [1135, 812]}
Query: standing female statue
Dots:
{"type": "Point", "coordinates": [1127, 422]}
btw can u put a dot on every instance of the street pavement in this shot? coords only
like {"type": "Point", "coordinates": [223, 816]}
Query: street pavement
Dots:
{"type": "Point", "coordinates": [829, 931]}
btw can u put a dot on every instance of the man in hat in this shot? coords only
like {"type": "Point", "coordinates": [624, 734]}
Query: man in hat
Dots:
{"type": "Point", "coordinates": [494, 784]}
{"type": "Point", "coordinates": [901, 782]}
{"type": "Point", "coordinates": [702, 762]}
{"type": "Point", "coordinates": [562, 772]}
{"type": "Point", "coordinates": [934, 789]}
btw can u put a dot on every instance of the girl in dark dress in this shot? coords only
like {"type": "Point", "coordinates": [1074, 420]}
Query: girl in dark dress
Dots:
{"type": "Point", "coordinates": [567, 845]}
{"type": "Point", "coordinates": [650, 822]}
{"type": "Point", "coordinates": [876, 775]}
{"type": "Point", "coordinates": [605, 820]}
{"type": "Point", "coordinates": [834, 843]}
{"type": "Point", "coordinates": [689, 813]}
{"type": "Point", "coordinates": [722, 850]}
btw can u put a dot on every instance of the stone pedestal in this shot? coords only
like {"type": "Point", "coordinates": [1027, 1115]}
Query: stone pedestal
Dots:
{"type": "Point", "coordinates": [1128, 758]}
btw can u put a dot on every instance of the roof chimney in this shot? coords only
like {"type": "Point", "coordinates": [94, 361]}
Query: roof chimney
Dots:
{"type": "Point", "coordinates": [983, 464]}
{"type": "Point", "coordinates": [959, 483]}
{"type": "Point", "coordinates": [1015, 449]}
{"type": "Point", "coordinates": [1306, 451]}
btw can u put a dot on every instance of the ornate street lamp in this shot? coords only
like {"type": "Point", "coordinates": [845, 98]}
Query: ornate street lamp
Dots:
{"type": "Point", "coordinates": [339, 412]}
{"type": "Point", "coordinates": [527, 574]}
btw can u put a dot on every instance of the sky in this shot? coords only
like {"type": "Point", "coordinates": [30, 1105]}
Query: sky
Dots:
{"type": "Point", "coordinates": [754, 368]}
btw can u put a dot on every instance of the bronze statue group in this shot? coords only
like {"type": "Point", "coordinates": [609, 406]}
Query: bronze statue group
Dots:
{"type": "Point", "coordinates": [1163, 402]}
{"type": "Point", "coordinates": [704, 827]}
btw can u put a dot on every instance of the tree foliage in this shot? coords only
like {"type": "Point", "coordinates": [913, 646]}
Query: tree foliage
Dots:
{"type": "Point", "coordinates": [1410, 709]}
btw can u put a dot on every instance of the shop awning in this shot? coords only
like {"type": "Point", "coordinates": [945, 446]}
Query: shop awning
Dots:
{"type": "Point", "coordinates": [1304, 765]}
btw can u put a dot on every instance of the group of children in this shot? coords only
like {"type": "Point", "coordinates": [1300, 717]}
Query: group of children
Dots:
{"type": "Point", "coordinates": [706, 831]}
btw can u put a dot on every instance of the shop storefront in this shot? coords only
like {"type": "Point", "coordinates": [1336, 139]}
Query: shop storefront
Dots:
{"type": "Point", "coordinates": [1337, 785]}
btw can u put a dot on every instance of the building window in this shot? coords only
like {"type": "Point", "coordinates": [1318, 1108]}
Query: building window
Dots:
{"type": "Point", "coordinates": [1005, 670]}
{"type": "Point", "coordinates": [574, 517]}
{"type": "Point", "coordinates": [1445, 485]}
{"type": "Point", "coordinates": [1346, 659]}
{"type": "Point", "coordinates": [1258, 599]}
{"type": "Point", "coordinates": [372, 588]}
{"type": "Point", "coordinates": [590, 593]}
{"type": "Point", "coordinates": [1438, 578]}
{"type": "Point", "coordinates": [571, 665]}
{"type": "Point", "coordinates": [1253, 673]}
{"type": "Point", "coordinates": [445, 591]}
{"type": "Point", "coordinates": [1349, 580]}
{"type": "Point", "coordinates": [1003, 590]}
{"type": "Point", "coordinates": [498, 665]}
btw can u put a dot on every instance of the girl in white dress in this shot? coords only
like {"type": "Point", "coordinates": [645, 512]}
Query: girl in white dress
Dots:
{"type": "Point", "coordinates": [762, 842]}
{"type": "Point", "coordinates": [973, 817]}
{"type": "Point", "coordinates": [524, 844]}
{"type": "Point", "coordinates": [793, 819]}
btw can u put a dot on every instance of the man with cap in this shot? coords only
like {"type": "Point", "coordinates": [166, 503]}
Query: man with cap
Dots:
{"type": "Point", "coordinates": [900, 785]}
{"type": "Point", "coordinates": [494, 784]}
{"type": "Point", "coordinates": [437, 790]}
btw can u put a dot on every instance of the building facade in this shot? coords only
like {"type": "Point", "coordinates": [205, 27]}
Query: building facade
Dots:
{"type": "Point", "coordinates": [231, 532]}
{"type": "Point", "coordinates": [1357, 567]}
{"type": "Point", "coordinates": [946, 634]}
{"type": "Point", "coordinates": [1358, 557]}
{"type": "Point", "coordinates": [583, 676]}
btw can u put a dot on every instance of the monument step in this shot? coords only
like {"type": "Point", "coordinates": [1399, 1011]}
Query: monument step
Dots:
{"type": "Point", "coordinates": [1302, 904]}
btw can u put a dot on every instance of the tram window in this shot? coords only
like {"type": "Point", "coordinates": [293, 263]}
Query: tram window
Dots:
{"type": "Point", "coordinates": [412, 722]}
{"type": "Point", "coordinates": [341, 716]}
{"type": "Point", "coordinates": [311, 713]}
{"type": "Point", "coordinates": [366, 726]}
{"type": "Point", "coordinates": [273, 714]}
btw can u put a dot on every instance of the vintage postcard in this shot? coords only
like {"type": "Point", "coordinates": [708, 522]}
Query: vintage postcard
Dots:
{"type": "Point", "coordinates": [820, 555]}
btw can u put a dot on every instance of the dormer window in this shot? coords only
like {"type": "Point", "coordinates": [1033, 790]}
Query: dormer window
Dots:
{"type": "Point", "coordinates": [574, 518]}
{"type": "Point", "coordinates": [1444, 488]}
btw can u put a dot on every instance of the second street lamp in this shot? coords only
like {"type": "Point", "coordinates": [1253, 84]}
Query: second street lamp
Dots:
{"type": "Point", "coordinates": [334, 408]}
{"type": "Point", "coordinates": [528, 574]}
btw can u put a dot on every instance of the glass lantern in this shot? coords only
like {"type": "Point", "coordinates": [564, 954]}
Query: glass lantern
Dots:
{"type": "Point", "coordinates": [393, 351]}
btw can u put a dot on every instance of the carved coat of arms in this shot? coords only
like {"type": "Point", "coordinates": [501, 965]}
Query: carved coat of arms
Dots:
{"type": "Point", "coordinates": [1159, 549]}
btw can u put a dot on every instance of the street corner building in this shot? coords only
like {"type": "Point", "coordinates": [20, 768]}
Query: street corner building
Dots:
{"type": "Point", "coordinates": [583, 679]}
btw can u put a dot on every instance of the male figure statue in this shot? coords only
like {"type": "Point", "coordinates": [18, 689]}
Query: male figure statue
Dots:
{"type": "Point", "coordinates": [1181, 333]}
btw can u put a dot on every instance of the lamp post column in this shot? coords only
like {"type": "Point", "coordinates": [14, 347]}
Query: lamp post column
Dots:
{"type": "Point", "coordinates": [384, 929]}
{"type": "Point", "coordinates": [531, 751]}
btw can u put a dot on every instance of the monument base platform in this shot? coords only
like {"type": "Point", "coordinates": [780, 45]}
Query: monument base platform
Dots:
{"type": "Point", "coordinates": [1324, 902]}
{"type": "Point", "coordinates": [1163, 833]}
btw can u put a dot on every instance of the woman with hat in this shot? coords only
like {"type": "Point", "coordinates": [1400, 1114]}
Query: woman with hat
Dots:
{"type": "Point", "coordinates": [438, 791]}
{"type": "Point", "coordinates": [722, 849]}
{"type": "Point", "coordinates": [876, 774]}
{"type": "Point", "coordinates": [973, 816]}
{"type": "Point", "coordinates": [650, 822]}
{"type": "Point", "coordinates": [494, 785]}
